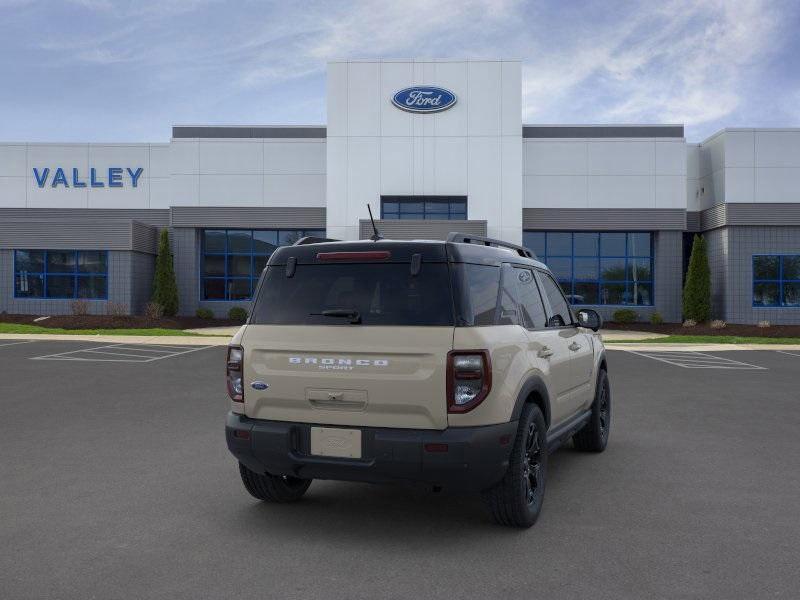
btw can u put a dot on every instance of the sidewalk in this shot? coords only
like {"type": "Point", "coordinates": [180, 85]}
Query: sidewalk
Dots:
{"type": "Point", "coordinates": [612, 335]}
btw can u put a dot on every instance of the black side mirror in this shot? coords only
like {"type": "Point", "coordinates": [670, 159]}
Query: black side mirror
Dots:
{"type": "Point", "coordinates": [589, 318]}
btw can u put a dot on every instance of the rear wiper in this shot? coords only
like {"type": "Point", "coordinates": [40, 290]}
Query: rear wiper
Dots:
{"type": "Point", "coordinates": [344, 313]}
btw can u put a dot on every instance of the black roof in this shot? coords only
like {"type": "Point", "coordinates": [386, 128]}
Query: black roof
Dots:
{"type": "Point", "coordinates": [402, 250]}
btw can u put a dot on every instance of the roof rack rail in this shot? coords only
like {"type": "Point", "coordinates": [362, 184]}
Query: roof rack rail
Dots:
{"type": "Point", "coordinates": [464, 238]}
{"type": "Point", "coordinates": [310, 239]}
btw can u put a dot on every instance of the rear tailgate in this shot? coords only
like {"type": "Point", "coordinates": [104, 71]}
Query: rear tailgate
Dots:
{"type": "Point", "coordinates": [371, 376]}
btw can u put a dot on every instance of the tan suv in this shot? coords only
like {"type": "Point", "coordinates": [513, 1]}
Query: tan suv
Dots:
{"type": "Point", "coordinates": [455, 363]}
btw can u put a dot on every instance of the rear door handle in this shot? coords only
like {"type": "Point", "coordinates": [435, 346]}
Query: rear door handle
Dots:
{"type": "Point", "coordinates": [574, 346]}
{"type": "Point", "coordinates": [545, 352]}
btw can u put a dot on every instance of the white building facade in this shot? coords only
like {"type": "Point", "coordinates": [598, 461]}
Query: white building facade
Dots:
{"type": "Point", "coordinates": [611, 209]}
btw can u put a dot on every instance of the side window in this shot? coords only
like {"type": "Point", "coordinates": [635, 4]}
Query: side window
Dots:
{"type": "Point", "coordinates": [530, 300]}
{"type": "Point", "coordinates": [560, 309]}
{"type": "Point", "coordinates": [509, 298]}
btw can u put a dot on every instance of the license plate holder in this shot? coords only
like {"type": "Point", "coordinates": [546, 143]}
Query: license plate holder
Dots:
{"type": "Point", "coordinates": [336, 442]}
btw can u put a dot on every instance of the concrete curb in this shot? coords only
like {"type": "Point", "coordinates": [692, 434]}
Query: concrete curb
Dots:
{"type": "Point", "coordinates": [162, 340]}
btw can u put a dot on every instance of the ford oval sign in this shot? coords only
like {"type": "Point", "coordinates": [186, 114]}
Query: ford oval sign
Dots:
{"type": "Point", "coordinates": [424, 99]}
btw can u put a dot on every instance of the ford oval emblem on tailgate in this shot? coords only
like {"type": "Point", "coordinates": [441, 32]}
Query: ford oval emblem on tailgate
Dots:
{"type": "Point", "coordinates": [259, 385]}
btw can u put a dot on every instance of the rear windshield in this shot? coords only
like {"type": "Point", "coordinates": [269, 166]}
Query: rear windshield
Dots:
{"type": "Point", "coordinates": [381, 294]}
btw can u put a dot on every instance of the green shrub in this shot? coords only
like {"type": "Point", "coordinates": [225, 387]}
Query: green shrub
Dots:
{"type": "Point", "coordinates": [165, 288]}
{"type": "Point", "coordinates": [697, 290]}
{"type": "Point", "coordinates": [204, 313]}
{"type": "Point", "coordinates": [237, 313]}
{"type": "Point", "coordinates": [656, 318]}
{"type": "Point", "coordinates": [624, 315]}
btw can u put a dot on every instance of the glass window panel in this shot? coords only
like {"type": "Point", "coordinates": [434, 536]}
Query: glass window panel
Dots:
{"type": "Point", "coordinates": [586, 268]}
{"type": "Point", "coordinates": [566, 286]}
{"type": "Point", "coordinates": [640, 294]}
{"type": "Point", "coordinates": [559, 244]}
{"type": "Point", "coordinates": [612, 293]}
{"type": "Point", "coordinates": [458, 216]}
{"type": "Point", "coordinates": [287, 237]}
{"type": "Point", "coordinates": [561, 267]}
{"type": "Point", "coordinates": [239, 266]}
{"type": "Point", "coordinates": [390, 207]}
{"type": "Point", "coordinates": [612, 269]}
{"type": "Point", "coordinates": [238, 289]}
{"type": "Point", "coordinates": [259, 262]}
{"type": "Point", "coordinates": [391, 216]}
{"type": "Point", "coordinates": [29, 260]}
{"type": "Point", "coordinates": [459, 206]}
{"type": "Point", "coordinates": [265, 242]}
{"type": "Point", "coordinates": [213, 289]}
{"type": "Point", "coordinates": [639, 269]}
{"type": "Point", "coordinates": [765, 267]}
{"type": "Point", "coordinates": [585, 293]}
{"type": "Point", "coordinates": [558, 304]}
{"type": "Point", "coordinates": [409, 216]}
{"type": "Point", "coordinates": [60, 261]}
{"type": "Point", "coordinates": [239, 241]}
{"type": "Point", "coordinates": [214, 240]}
{"type": "Point", "coordinates": [639, 244]}
{"type": "Point", "coordinates": [60, 286]}
{"type": "Point", "coordinates": [530, 299]}
{"type": "Point", "coordinates": [412, 207]}
{"type": "Point", "coordinates": [28, 286]}
{"type": "Point", "coordinates": [92, 286]}
{"type": "Point", "coordinates": [612, 244]}
{"type": "Point", "coordinates": [214, 265]}
{"type": "Point", "coordinates": [534, 240]}
{"type": "Point", "coordinates": [92, 261]}
{"type": "Point", "coordinates": [791, 294]}
{"type": "Point", "coordinates": [437, 207]}
{"type": "Point", "coordinates": [766, 294]}
{"type": "Point", "coordinates": [791, 267]}
{"type": "Point", "coordinates": [587, 244]}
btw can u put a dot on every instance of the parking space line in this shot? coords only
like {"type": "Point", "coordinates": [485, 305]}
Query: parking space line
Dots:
{"type": "Point", "coordinates": [128, 352]}
{"type": "Point", "coordinates": [698, 360]}
{"type": "Point", "coordinates": [787, 353]}
{"type": "Point", "coordinates": [16, 343]}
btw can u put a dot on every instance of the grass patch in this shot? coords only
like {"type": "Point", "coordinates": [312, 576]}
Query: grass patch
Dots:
{"type": "Point", "coordinates": [711, 339]}
{"type": "Point", "coordinates": [36, 329]}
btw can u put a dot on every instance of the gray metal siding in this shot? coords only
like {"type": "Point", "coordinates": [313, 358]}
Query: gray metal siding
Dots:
{"type": "Point", "coordinates": [713, 217]}
{"type": "Point", "coordinates": [415, 229]}
{"type": "Point", "coordinates": [602, 131]}
{"type": "Point", "coordinates": [256, 217]}
{"type": "Point", "coordinates": [693, 222]}
{"type": "Point", "coordinates": [315, 132]}
{"type": "Point", "coordinates": [66, 234]}
{"type": "Point", "coordinates": [151, 216]}
{"type": "Point", "coordinates": [781, 214]}
{"type": "Point", "coordinates": [605, 219]}
{"type": "Point", "coordinates": [186, 255]}
{"type": "Point", "coordinates": [144, 238]}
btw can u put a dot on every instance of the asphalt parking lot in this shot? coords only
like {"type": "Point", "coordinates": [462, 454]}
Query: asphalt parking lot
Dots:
{"type": "Point", "coordinates": [115, 482]}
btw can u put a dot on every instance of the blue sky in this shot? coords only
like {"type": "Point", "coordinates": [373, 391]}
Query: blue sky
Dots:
{"type": "Point", "coordinates": [104, 70]}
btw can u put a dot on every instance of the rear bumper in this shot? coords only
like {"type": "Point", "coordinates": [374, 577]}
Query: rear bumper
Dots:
{"type": "Point", "coordinates": [476, 457]}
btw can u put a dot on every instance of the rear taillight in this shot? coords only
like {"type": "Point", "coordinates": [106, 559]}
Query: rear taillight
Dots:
{"type": "Point", "coordinates": [233, 372]}
{"type": "Point", "coordinates": [469, 379]}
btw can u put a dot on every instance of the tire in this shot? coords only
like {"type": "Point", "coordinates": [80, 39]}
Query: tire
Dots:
{"type": "Point", "coordinates": [516, 500]}
{"type": "Point", "coordinates": [594, 435]}
{"type": "Point", "coordinates": [273, 488]}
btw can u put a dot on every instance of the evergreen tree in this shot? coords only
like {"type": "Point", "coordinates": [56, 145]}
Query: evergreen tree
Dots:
{"type": "Point", "coordinates": [697, 290]}
{"type": "Point", "coordinates": [165, 288]}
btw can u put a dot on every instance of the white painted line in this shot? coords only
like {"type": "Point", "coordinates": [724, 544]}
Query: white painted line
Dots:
{"type": "Point", "coordinates": [699, 360]}
{"type": "Point", "coordinates": [789, 353]}
{"type": "Point", "coordinates": [138, 349]}
{"type": "Point", "coordinates": [179, 353]}
{"type": "Point", "coordinates": [143, 357]}
{"type": "Point", "coordinates": [16, 343]}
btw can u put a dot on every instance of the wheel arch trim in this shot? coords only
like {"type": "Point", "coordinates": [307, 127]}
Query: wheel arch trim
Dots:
{"type": "Point", "coordinates": [533, 385]}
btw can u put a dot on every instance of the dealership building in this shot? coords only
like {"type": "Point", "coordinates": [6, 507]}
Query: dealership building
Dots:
{"type": "Point", "coordinates": [433, 146]}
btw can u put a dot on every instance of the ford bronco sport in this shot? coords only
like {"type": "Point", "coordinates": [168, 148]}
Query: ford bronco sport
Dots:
{"type": "Point", "coordinates": [456, 363]}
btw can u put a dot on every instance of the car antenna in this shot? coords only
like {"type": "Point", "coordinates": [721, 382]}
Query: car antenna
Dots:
{"type": "Point", "coordinates": [375, 236]}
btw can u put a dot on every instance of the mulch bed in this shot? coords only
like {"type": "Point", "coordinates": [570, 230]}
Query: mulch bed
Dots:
{"type": "Point", "coordinates": [116, 322]}
{"type": "Point", "coordinates": [774, 331]}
